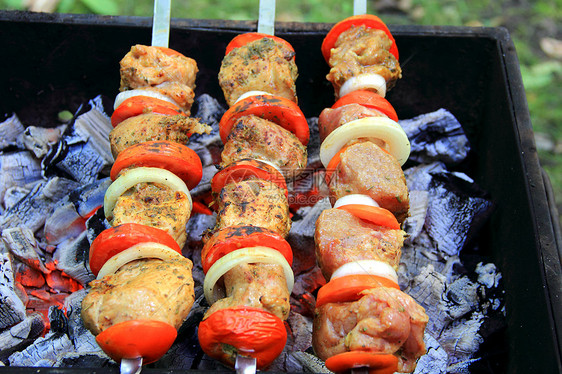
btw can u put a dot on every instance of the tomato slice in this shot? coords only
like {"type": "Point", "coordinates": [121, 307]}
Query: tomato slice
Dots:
{"type": "Point", "coordinates": [232, 238]}
{"type": "Point", "coordinates": [243, 39]}
{"type": "Point", "coordinates": [149, 339]}
{"type": "Point", "coordinates": [279, 110]}
{"type": "Point", "coordinates": [137, 105]}
{"type": "Point", "coordinates": [377, 363]}
{"type": "Point", "coordinates": [119, 238]}
{"type": "Point", "coordinates": [349, 287]}
{"type": "Point", "coordinates": [374, 214]}
{"type": "Point", "coordinates": [248, 331]}
{"type": "Point", "coordinates": [201, 208]}
{"type": "Point", "coordinates": [368, 20]}
{"type": "Point", "coordinates": [245, 169]}
{"type": "Point", "coordinates": [333, 164]}
{"type": "Point", "coordinates": [368, 99]}
{"type": "Point", "coordinates": [174, 157]}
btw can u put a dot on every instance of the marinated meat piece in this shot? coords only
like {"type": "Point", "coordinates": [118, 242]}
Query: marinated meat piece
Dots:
{"type": "Point", "coordinates": [341, 237]}
{"type": "Point", "coordinates": [330, 119]}
{"type": "Point", "coordinates": [366, 169]}
{"type": "Point", "coordinates": [256, 285]}
{"type": "Point", "coordinates": [142, 289]}
{"type": "Point", "coordinates": [384, 320]}
{"type": "Point", "coordinates": [262, 65]}
{"type": "Point", "coordinates": [155, 205]}
{"type": "Point", "coordinates": [361, 50]}
{"type": "Point", "coordinates": [182, 94]}
{"type": "Point", "coordinates": [149, 66]}
{"type": "Point", "coordinates": [257, 138]}
{"type": "Point", "coordinates": [254, 202]}
{"type": "Point", "coordinates": [146, 127]}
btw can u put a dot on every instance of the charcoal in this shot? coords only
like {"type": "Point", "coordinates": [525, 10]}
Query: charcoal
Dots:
{"type": "Point", "coordinates": [419, 177]}
{"type": "Point", "coordinates": [96, 224]}
{"type": "Point", "coordinates": [209, 111]}
{"type": "Point", "coordinates": [84, 360]}
{"type": "Point", "coordinates": [23, 245]}
{"type": "Point", "coordinates": [19, 336]}
{"type": "Point", "coordinates": [43, 352]}
{"type": "Point", "coordinates": [71, 257]}
{"type": "Point", "coordinates": [436, 136]}
{"type": "Point", "coordinates": [18, 169]}
{"type": "Point", "coordinates": [313, 146]}
{"type": "Point", "coordinates": [435, 360]}
{"type": "Point", "coordinates": [12, 309]}
{"type": "Point", "coordinates": [15, 194]}
{"type": "Point", "coordinates": [39, 140]}
{"type": "Point", "coordinates": [309, 362]}
{"type": "Point", "coordinates": [461, 341]}
{"type": "Point", "coordinates": [83, 340]}
{"type": "Point", "coordinates": [10, 130]}
{"type": "Point", "coordinates": [413, 225]}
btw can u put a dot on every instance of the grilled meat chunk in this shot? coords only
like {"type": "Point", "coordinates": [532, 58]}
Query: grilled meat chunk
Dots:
{"type": "Point", "coordinates": [182, 94]}
{"type": "Point", "coordinates": [151, 126]}
{"type": "Point", "coordinates": [142, 289]}
{"type": "Point", "coordinates": [360, 50]}
{"type": "Point", "coordinates": [257, 138]}
{"type": "Point", "coordinates": [330, 119]}
{"type": "Point", "coordinates": [341, 237]}
{"type": "Point", "coordinates": [155, 205]}
{"type": "Point", "coordinates": [254, 202]}
{"type": "Point", "coordinates": [261, 65]}
{"type": "Point", "coordinates": [366, 169]}
{"type": "Point", "coordinates": [150, 66]}
{"type": "Point", "coordinates": [256, 285]}
{"type": "Point", "coordinates": [384, 320]}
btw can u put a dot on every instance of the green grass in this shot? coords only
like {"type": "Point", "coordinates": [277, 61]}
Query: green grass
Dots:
{"type": "Point", "coordinates": [527, 21]}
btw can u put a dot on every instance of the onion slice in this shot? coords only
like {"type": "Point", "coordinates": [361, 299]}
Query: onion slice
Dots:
{"type": "Point", "coordinates": [122, 96]}
{"type": "Point", "coordinates": [355, 199]}
{"type": "Point", "coordinates": [252, 93]}
{"type": "Point", "coordinates": [370, 267]}
{"type": "Point", "coordinates": [367, 81]}
{"type": "Point", "coordinates": [138, 175]}
{"type": "Point", "coordinates": [247, 255]}
{"type": "Point", "coordinates": [377, 128]}
{"type": "Point", "coordinates": [137, 252]}
{"type": "Point", "coordinates": [270, 164]}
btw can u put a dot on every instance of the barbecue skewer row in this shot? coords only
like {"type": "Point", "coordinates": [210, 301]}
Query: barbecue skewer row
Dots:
{"type": "Point", "coordinates": [246, 258]}
{"type": "Point", "coordinates": [362, 319]}
{"type": "Point", "coordinates": [144, 286]}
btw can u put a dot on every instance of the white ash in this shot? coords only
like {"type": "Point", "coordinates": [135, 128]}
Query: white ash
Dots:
{"type": "Point", "coordinates": [21, 334]}
{"type": "Point", "coordinates": [43, 352]}
{"type": "Point", "coordinates": [10, 130]}
{"type": "Point", "coordinates": [12, 308]}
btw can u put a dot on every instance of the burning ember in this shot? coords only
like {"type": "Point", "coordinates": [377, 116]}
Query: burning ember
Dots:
{"type": "Point", "coordinates": [53, 181]}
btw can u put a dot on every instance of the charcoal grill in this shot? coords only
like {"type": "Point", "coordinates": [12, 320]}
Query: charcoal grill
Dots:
{"type": "Point", "coordinates": [54, 62]}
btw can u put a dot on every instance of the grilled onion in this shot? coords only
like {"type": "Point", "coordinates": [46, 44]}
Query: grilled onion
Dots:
{"type": "Point", "coordinates": [370, 267]}
{"type": "Point", "coordinates": [122, 96]}
{"type": "Point", "coordinates": [355, 198]}
{"type": "Point", "coordinates": [367, 81]}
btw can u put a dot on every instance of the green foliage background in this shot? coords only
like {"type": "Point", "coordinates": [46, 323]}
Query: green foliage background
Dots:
{"type": "Point", "coordinates": [528, 22]}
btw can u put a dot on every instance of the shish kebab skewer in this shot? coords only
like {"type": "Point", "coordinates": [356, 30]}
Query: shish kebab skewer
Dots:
{"type": "Point", "coordinates": [144, 286]}
{"type": "Point", "coordinates": [265, 134]}
{"type": "Point", "coordinates": [375, 327]}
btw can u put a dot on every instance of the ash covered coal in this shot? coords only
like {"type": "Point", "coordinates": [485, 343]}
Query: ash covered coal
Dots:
{"type": "Point", "coordinates": [52, 208]}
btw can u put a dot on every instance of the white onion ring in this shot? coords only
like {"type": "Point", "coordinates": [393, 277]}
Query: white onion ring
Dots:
{"type": "Point", "coordinates": [247, 255]}
{"type": "Point", "coordinates": [270, 164]}
{"type": "Point", "coordinates": [371, 267]}
{"type": "Point", "coordinates": [122, 96]}
{"type": "Point", "coordinates": [251, 93]}
{"type": "Point", "coordinates": [356, 198]}
{"type": "Point", "coordinates": [382, 128]}
{"type": "Point", "coordinates": [136, 252]}
{"type": "Point", "coordinates": [138, 175]}
{"type": "Point", "coordinates": [364, 82]}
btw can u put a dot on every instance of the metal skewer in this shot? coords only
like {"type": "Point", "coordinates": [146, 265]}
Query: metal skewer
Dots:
{"type": "Point", "coordinates": [161, 23]}
{"type": "Point", "coordinates": [131, 365]}
{"type": "Point", "coordinates": [359, 7]}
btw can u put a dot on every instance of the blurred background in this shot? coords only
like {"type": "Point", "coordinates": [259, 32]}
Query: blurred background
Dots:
{"type": "Point", "coordinates": [535, 27]}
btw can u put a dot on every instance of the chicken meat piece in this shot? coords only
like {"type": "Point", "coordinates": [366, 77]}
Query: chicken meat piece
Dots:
{"type": "Point", "coordinates": [330, 119]}
{"type": "Point", "coordinates": [256, 138]}
{"type": "Point", "coordinates": [340, 237]}
{"type": "Point", "coordinates": [256, 285]}
{"type": "Point", "coordinates": [142, 289]}
{"type": "Point", "coordinates": [261, 65]}
{"type": "Point", "coordinates": [152, 126]}
{"type": "Point", "coordinates": [360, 50]}
{"type": "Point", "coordinates": [150, 66]}
{"type": "Point", "coordinates": [254, 202]}
{"type": "Point", "coordinates": [385, 320]}
{"type": "Point", "coordinates": [154, 205]}
{"type": "Point", "coordinates": [366, 169]}
{"type": "Point", "coordinates": [181, 94]}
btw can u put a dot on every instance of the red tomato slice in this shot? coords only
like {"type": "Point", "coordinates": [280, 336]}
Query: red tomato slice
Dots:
{"type": "Point", "coordinates": [374, 214]}
{"type": "Point", "coordinates": [369, 20]}
{"type": "Point", "coordinates": [252, 332]}
{"type": "Point", "coordinates": [279, 110]}
{"type": "Point", "coordinates": [232, 238]}
{"type": "Point", "coordinates": [368, 99]}
{"type": "Point", "coordinates": [243, 39]}
{"type": "Point", "coordinates": [149, 339]}
{"type": "Point", "coordinates": [377, 363]}
{"type": "Point", "coordinates": [174, 157]}
{"type": "Point", "coordinates": [349, 287]}
{"type": "Point", "coordinates": [119, 238]}
{"type": "Point", "coordinates": [137, 105]}
{"type": "Point", "coordinates": [201, 208]}
{"type": "Point", "coordinates": [245, 169]}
